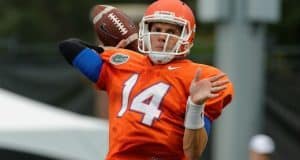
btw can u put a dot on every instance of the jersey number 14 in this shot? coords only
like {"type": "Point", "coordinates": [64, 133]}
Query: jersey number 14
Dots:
{"type": "Point", "coordinates": [147, 102]}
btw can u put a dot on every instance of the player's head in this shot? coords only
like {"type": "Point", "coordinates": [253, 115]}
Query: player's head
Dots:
{"type": "Point", "coordinates": [167, 31]}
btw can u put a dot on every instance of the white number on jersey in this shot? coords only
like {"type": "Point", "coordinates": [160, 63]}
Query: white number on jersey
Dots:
{"type": "Point", "coordinates": [146, 102]}
{"type": "Point", "coordinates": [128, 85]}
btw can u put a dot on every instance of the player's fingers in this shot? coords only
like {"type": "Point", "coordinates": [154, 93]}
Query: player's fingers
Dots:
{"type": "Point", "coordinates": [220, 83]}
{"type": "Point", "coordinates": [122, 44]}
{"type": "Point", "coordinates": [217, 77]}
{"type": "Point", "coordinates": [217, 89]}
{"type": "Point", "coordinates": [197, 75]}
{"type": "Point", "coordinates": [213, 95]}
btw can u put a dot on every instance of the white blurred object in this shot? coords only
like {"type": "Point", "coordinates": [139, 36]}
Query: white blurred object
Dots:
{"type": "Point", "coordinates": [34, 127]}
{"type": "Point", "coordinates": [213, 10]}
{"type": "Point", "coordinates": [262, 144]}
{"type": "Point", "coordinates": [259, 11]}
{"type": "Point", "coordinates": [264, 11]}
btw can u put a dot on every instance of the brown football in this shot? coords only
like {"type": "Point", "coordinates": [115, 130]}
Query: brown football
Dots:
{"type": "Point", "coordinates": [112, 25]}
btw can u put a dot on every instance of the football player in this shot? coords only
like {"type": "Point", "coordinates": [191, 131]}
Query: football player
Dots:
{"type": "Point", "coordinates": [161, 105]}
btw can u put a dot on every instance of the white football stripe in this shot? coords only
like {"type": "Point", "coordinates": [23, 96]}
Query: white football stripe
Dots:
{"type": "Point", "coordinates": [100, 14]}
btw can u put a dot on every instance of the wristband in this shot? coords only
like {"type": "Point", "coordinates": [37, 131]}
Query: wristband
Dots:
{"type": "Point", "coordinates": [194, 117]}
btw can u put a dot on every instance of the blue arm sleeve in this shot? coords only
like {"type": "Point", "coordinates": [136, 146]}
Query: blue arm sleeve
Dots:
{"type": "Point", "coordinates": [82, 56]}
{"type": "Point", "coordinates": [89, 63]}
{"type": "Point", "coordinates": [207, 125]}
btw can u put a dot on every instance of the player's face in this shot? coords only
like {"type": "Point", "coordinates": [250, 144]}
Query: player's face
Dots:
{"type": "Point", "coordinates": [166, 42]}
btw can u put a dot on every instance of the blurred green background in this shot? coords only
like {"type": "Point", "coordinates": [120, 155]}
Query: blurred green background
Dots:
{"type": "Point", "coordinates": [31, 65]}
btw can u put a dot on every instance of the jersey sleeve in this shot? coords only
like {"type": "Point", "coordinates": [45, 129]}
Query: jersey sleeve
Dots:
{"type": "Point", "coordinates": [118, 60]}
{"type": "Point", "coordinates": [215, 106]}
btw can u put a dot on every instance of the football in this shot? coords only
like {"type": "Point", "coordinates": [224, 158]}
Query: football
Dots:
{"type": "Point", "coordinates": [112, 25]}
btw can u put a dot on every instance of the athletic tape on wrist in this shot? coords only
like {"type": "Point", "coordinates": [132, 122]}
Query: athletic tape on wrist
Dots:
{"type": "Point", "coordinates": [194, 117]}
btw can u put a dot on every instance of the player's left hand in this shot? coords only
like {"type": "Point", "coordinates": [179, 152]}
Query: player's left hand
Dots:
{"type": "Point", "coordinates": [204, 89]}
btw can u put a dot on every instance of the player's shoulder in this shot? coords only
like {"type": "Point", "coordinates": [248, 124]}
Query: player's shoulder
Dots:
{"type": "Point", "coordinates": [206, 70]}
{"type": "Point", "coordinates": [123, 58]}
{"type": "Point", "coordinates": [119, 54]}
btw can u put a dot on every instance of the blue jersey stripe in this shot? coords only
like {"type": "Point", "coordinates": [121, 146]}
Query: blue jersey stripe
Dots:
{"type": "Point", "coordinates": [89, 63]}
{"type": "Point", "coordinates": [207, 125]}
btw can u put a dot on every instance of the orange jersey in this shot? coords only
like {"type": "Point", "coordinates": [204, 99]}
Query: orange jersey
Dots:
{"type": "Point", "coordinates": [147, 104]}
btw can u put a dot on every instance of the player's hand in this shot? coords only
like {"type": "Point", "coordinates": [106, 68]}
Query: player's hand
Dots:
{"type": "Point", "coordinates": [204, 89]}
{"type": "Point", "coordinates": [122, 44]}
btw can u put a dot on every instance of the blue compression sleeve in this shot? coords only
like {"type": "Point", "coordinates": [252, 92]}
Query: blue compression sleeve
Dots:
{"type": "Point", "coordinates": [207, 125]}
{"type": "Point", "coordinates": [89, 63]}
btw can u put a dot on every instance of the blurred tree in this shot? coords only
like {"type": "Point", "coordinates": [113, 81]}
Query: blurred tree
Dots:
{"type": "Point", "coordinates": [287, 31]}
{"type": "Point", "coordinates": [47, 20]}
{"type": "Point", "coordinates": [52, 20]}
